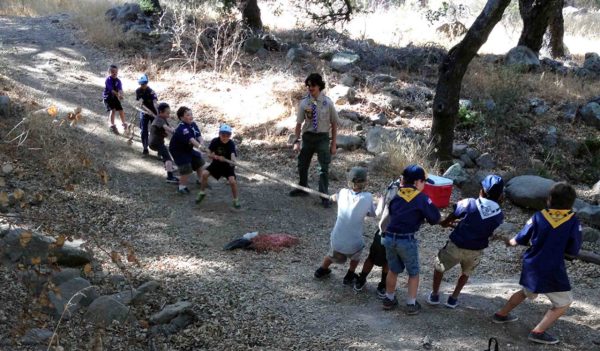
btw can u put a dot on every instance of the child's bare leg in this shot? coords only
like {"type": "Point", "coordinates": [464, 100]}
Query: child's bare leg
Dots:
{"type": "Point", "coordinates": [326, 262]}
{"type": "Point", "coordinates": [390, 283]}
{"type": "Point", "coordinates": [111, 117]}
{"type": "Point", "coordinates": [367, 267]}
{"type": "Point", "coordinates": [183, 180]}
{"type": "Point", "coordinates": [515, 300]}
{"type": "Point", "coordinates": [462, 280]}
{"type": "Point", "coordinates": [353, 265]}
{"type": "Point", "coordinates": [413, 286]}
{"type": "Point", "coordinates": [204, 180]}
{"type": "Point", "coordinates": [234, 186]}
{"type": "Point", "coordinates": [169, 166]}
{"type": "Point", "coordinates": [437, 281]}
{"type": "Point", "coordinates": [122, 115]}
{"type": "Point", "coordinates": [550, 317]}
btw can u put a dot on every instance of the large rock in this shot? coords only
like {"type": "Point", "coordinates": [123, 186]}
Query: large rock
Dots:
{"type": "Point", "coordinates": [349, 142]}
{"type": "Point", "coordinates": [351, 115]}
{"type": "Point", "coordinates": [592, 62]}
{"type": "Point", "coordinates": [590, 235]}
{"type": "Point", "coordinates": [457, 174]}
{"type": "Point", "coordinates": [341, 94]}
{"type": "Point", "coordinates": [4, 106]}
{"type": "Point", "coordinates": [170, 312]}
{"type": "Point", "coordinates": [529, 191]}
{"type": "Point", "coordinates": [128, 12]}
{"type": "Point", "coordinates": [253, 45]}
{"type": "Point", "coordinates": [486, 161]}
{"type": "Point", "coordinates": [36, 336]}
{"type": "Point", "coordinates": [522, 58]}
{"type": "Point", "coordinates": [72, 254]}
{"type": "Point", "coordinates": [343, 61]}
{"type": "Point", "coordinates": [70, 295]}
{"type": "Point", "coordinates": [590, 114]}
{"type": "Point", "coordinates": [589, 214]}
{"type": "Point", "coordinates": [105, 309]}
{"type": "Point", "coordinates": [380, 78]}
{"type": "Point", "coordinates": [378, 119]}
{"type": "Point", "coordinates": [296, 55]}
{"type": "Point", "coordinates": [459, 149]}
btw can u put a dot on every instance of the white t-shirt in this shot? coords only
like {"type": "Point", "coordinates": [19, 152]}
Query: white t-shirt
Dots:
{"type": "Point", "coordinates": [347, 234]}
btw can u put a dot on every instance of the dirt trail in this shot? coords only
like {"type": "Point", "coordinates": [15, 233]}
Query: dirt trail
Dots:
{"type": "Point", "coordinates": [268, 301]}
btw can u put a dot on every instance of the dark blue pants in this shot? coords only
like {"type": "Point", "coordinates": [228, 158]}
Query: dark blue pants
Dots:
{"type": "Point", "coordinates": [145, 120]}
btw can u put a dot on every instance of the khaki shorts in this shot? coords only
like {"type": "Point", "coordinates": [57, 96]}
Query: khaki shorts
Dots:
{"type": "Point", "coordinates": [339, 258]}
{"type": "Point", "coordinates": [451, 255]}
{"type": "Point", "coordinates": [558, 299]}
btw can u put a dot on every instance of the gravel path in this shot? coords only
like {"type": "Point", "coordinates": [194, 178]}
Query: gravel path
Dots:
{"type": "Point", "coordinates": [264, 301]}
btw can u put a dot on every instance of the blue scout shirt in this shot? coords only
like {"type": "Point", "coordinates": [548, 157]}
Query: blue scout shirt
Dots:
{"type": "Point", "coordinates": [111, 84]}
{"type": "Point", "coordinates": [180, 146]}
{"type": "Point", "coordinates": [480, 217]}
{"type": "Point", "coordinates": [408, 209]}
{"type": "Point", "coordinates": [552, 233]}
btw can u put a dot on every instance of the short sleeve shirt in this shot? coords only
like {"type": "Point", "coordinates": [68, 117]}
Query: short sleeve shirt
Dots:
{"type": "Point", "coordinates": [347, 234]}
{"type": "Point", "coordinates": [148, 96]}
{"type": "Point", "coordinates": [326, 114]}
{"type": "Point", "coordinates": [158, 132]}
{"type": "Point", "coordinates": [408, 209]}
{"type": "Point", "coordinates": [111, 84]}
{"type": "Point", "coordinates": [180, 146]}
{"type": "Point", "coordinates": [220, 149]}
{"type": "Point", "coordinates": [479, 218]}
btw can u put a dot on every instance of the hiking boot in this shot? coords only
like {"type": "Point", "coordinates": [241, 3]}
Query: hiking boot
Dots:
{"type": "Point", "coordinates": [172, 180]}
{"type": "Point", "coordinates": [433, 299]}
{"type": "Point", "coordinates": [322, 272]}
{"type": "Point", "coordinates": [413, 309]}
{"type": "Point", "coordinates": [451, 303]}
{"type": "Point", "coordinates": [389, 304]}
{"type": "Point", "coordinates": [349, 278]}
{"type": "Point", "coordinates": [200, 197]}
{"type": "Point", "coordinates": [298, 192]}
{"type": "Point", "coordinates": [146, 152]}
{"type": "Point", "coordinates": [542, 338]}
{"type": "Point", "coordinates": [381, 291]}
{"type": "Point", "coordinates": [183, 191]}
{"type": "Point", "coordinates": [236, 204]}
{"type": "Point", "coordinates": [125, 126]}
{"type": "Point", "coordinates": [504, 319]}
{"type": "Point", "coordinates": [326, 203]}
{"type": "Point", "coordinates": [360, 283]}
{"type": "Point", "coordinates": [114, 129]}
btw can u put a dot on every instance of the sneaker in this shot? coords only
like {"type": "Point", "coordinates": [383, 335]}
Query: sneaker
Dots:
{"type": "Point", "coordinates": [451, 303]}
{"type": "Point", "coordinates": [360, 283]}
{"type": "Point", "coordinates": [433, 299]}
{"type": "Point", "coordinates": [322, 272]}
{"type": "Point", "coordinates": [172, 180]}
{"type": "Point", "coordinates": [236, 204]}
{"type": "Point", "coordinates": [542, 338]}
{"type": "Point", "coordinates": [413, 309]}
{"type": "Point", "coordinates": [200, 197]}
{"type": "Point", "coordinates": [183, 191]}
{"type": "Point", "coordinates": [298, 192]}
{"type": "Point", "coordinates": [326, 203]}
{"type": "Point", "coordinates": [349, 278]}
{"type": "Point", "coordinates": [389, 304]}
{"type": "Point", "coordinates": [381, 291]}
{"type": "Point", "coordinates": [125, 126]}
{"type": "Point", "coordinates": [145, 152]}
{"type": "Point", "coordinates": [504, 319]}
{"type": "Point", "coordinates": [114, 129]}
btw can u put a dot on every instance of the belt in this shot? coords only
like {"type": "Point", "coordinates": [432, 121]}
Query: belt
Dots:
{"type": "Point", "coordinates": [399, 236]}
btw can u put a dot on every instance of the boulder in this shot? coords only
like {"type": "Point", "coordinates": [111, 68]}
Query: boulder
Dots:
{"type": "Point", "coordinates": [589, 214]}
{"type": "Point", "coordinates": [296, 55]}
{"type": "Point", "coordinates": [105, 309]}
{"type": "Point", "coordinates": [253, 45]}
{"type": "Point", "coordinates": [341, 94]}
{"type": "Point", "coordinates": [4, 106]}
{"type": "Point", "coordinates": [596, 190]}
{"type": "Point", "coordinates": [36, 336]}
{"type": "Point", "coordinates": [592, 62]}
{"type": "Point", "coordinates": [64, 275]}
{"type": "Point", "coordinates": [551, 138]}
{"type": "Point", "coordinates": [457, 174]}
{"type": "Point", "coordinates": [522, 58]}
{"type": "Point", "coordinates": [70, 295]}
{"type": "Point", "coordinates": [590, 114]}
{"type": "Point", "coordinates": [590, 235]}
{"type": "Point", "coordinates": [351, 115]}
{"type": "Point", "coordinates": [348, 80]}
{"type": "Point", "coordinates": [171, 311]}
{"type": "Point", "coordinates": [349, 142]}
{"type": "Point", "coordinates": [529, 191]}
{"type": "Point", "coordinates": [176, 324]}
{"type": "Point", "coordinates": [271, 42]}
{"type": "Point", "coordinates": [380, 78]}
{"type": "Point", "coordinates": [72, 254]}
{"type": "Point", "coordinates": [568, 112]}
{"type": "Point", "coordinates": [465, 103]}
{"type": "Point", "coordinates": [467, 161]}
{"type": "Point", "coordinates": [538, 106]}
{"type": "Point", "coordinates": [343, 61]}
{"type": "Point", "coordinates": [127, 12]}
{"type": "Point", "coordinates": [262, 53]}
{"type": "Point", "coordinates": [459, 149]}
{"type": "Point", "coordinates": [472, 153]}
{"type": "Point", "coordinates": [485, 161]}
{"type": "Point", "coordinates": [378, 119]}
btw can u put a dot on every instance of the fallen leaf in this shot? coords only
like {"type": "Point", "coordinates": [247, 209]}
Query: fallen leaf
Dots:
{"type": "Point", "coordinates": [86, 162]}
{"type": "Point", "coordinates": [52, 259]}
{"type": "Point", "coordinates": [103, 176]}
{"type": "Point", "coordinates": [52, 111]}
{"type": "Point", "coordinates": [144, 324]}
{"type": "Point", "coordinates": [115, 257]}
{"type": "Point", "coordinates": [36, 260]}
{"type": "Point", "coordinates": [4, 199]}
{"type": "Point", "coordinates": [131, 257]}
{"type": "Point", "coordinates": [25, 238]}
{"type": "Point", "coordinates": [87, 269]}
{"type": "Point", "coordinates": [18, 194]}
{"type": "Point", "coordinates": [60, 241]}
{"type": "Point", "coordinates": [70, 187]}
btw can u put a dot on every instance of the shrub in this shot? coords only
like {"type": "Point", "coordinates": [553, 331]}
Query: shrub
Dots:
{"type": "Point", "coordinates": [468, 118]}
{"type": "Point", "coordinates": [150, 6]}
{"type": "Point", "coordinates": [403, 152]}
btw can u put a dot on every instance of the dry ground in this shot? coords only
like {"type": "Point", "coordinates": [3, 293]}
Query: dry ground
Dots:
{"type": "Point", "coordinates": [244, 300]}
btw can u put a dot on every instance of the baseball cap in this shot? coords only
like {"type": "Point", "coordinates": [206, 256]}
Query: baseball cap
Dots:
{"type": "Point", "coordinates": [493, 185]}
{"type": "Point", "coordinates": [224, 128]}
{"type": "Point", "coordinates": [143, 79]}
{"type": "Point", "coordinates": [413, 173]}
{"type": "Point", "coordinates": [357, 175]}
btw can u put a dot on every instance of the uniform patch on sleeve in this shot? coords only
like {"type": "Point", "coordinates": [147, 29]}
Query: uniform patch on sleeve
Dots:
{"type": "Point", "coordinates": [185, 131]}
{"type": "Point", "coordinates": [530, 221]}
{"type": "Point", "coordinates": [429, 201]}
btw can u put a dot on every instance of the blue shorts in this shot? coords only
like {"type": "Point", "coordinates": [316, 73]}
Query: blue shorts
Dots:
{"type": "Point", "coordinates": [402, 253]}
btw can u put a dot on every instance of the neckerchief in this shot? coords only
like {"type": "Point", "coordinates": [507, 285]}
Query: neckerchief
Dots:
{"type": "Point", "coordinates": [557, 217]}
{"type": "Point", "coordinates": [408, 193]}
{"type": "Point", "coordinates": [487, 208]}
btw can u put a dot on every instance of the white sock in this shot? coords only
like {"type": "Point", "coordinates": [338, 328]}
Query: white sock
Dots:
{"type": "Point", "coordinates": [181, 187]}
{"type": "Point", "coordinates": [390, 296]}
{"type": "Point", "coordinates": [410, 301]}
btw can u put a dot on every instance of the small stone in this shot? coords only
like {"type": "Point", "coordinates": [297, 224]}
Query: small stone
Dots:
{"type": "Point", "coordinates": [457, 174]}
{"type": "Point", "coordinates": [347, 80]}
{"type": "Point", "coordinates": [170, 312]}
{"type": "Point", "coordinates": [7, 168]}
{"type": "Point", "coordinates": [465, 103]}
{"type": "Point", "coordinates": [590, 235]}
{"type": "Point", "coordinates": [378, 119]}
{"type": "Point", "coordinates": [105, 309]}
{"type": "Point", "coordinates": [343, 61]}
{"type": "Point", "coordinates": [490, 105]}
{"type": "Point", "coordinates": [341, 94]}
{"type": "Point", "coordinates": [348, 142]}
{"type": "Point", "coordinates": [590, 114]}
{"type": "Point", "coordinates": [36, 336]}
{"type": "Point", "coordinates": [4, 105]}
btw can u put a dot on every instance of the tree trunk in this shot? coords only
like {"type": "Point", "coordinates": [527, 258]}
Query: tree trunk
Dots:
{"type": "Point", "coordinates": [536, 15]}
{"type": "Point", "coordinates": [251, 14]}
{"type": "Point", "coordinates": [556, 29]}
{"type": "Point", "coordinates": [451, 73]}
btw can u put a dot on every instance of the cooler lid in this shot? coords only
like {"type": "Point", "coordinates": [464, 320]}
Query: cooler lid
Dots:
{"type": "Point", "coordinates": [437, 180]}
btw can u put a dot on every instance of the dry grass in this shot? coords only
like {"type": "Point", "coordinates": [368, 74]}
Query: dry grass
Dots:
{"type": "Point", "coordinates": [407, 151]}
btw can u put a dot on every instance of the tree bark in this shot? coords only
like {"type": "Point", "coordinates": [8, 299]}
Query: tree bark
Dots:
{"type": "Point", "coordinates": [556, 29]}
{"type": "Point", "coordinates": [536, 15]}
{"type": "Point", "coordinates": [251, 14]}
{"type": "Point", "coordinates": [451, 73]}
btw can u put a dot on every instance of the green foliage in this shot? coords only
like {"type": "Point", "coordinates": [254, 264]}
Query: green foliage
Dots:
{"type": "Point", "coordinates": [332, 12]}
{"type": "Point", "coordinates": [446, 11]}
{"type": "Point", "coordinates": [150, 6]}
{"type": "Point", "coordinates": [468, 118]}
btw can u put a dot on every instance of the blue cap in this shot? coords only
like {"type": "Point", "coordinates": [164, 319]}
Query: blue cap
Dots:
{"type": "Point", "coordinates": [143, 79]}
{"type": "Point", "coordinates": [413, 173]}
{"type": "Point", "coordinates": [493, 185]}
{"type": "Point", "coordinates": [224, 128]}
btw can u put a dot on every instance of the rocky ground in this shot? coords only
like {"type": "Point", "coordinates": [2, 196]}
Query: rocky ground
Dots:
{"type": "Point", "coordinates": [239, 299]}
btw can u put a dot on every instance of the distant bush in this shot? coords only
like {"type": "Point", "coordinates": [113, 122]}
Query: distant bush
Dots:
{"type": "Point", "coordinates": [150, 6]}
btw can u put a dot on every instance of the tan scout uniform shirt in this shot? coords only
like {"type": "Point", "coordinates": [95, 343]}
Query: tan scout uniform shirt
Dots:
{"type": "Point", "coordinates": [326, 114]}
